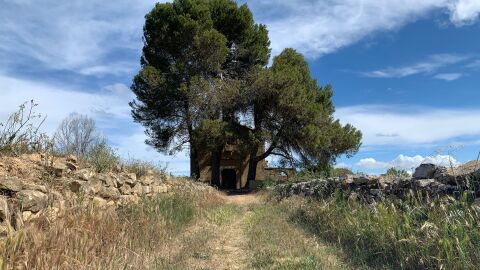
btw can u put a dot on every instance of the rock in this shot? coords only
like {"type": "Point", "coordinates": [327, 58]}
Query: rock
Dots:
{"type": "Point", "coordinates": [84, 174]}
{"type": "Point", "coordinates": [4, 212]}
{"type": "Point", "coordinates": [109, 193]}
{"type": "Point", "coordinates": [125, 190]}
{"type": "Point", "coordinates": [130, 178]}
{"type": "Point", "coordinates": [160, 189]}
{"type": "Point", "coordinates": [361, 180]}
{"type": "Point", "coordinates": [425, 171]}
{"type": "Point", "coordinates": [11, 184]}
{"type": "Point", "coordinates": [58, 169]}
{"type": "Point", "coordinates": [26, 215]}
{"type": "Point", "coordinates": [147, 189]}
{"type": "Point", "coordinates": [99, 202]}
{"type": "Point", "coordinates": [72, 159]}
{"type": "Point", "coordinates": [4, 231]}
{"type": "Point", "coordinates": [41, 188]}
{"type": "Point", "coordinates": [76, 185]}
{"type": "Point", "coordinates": [107, 180]}
{"type": "Point", "coordinates": [138, 189]}
{"type": "Point", "coordinates": [128, 199]}
{"type": "Point", "coordinates": [32, 200]}
{"type": "Point", "coordinates": [147, 179]}
{"type": "Point", "coordinates": [71, 166]}
{"type": "Point", "coordinates": [423, 183]}
{"type": "Point", "coordinates": [92, 187]}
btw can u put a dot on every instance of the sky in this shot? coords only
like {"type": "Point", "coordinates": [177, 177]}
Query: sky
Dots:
{"type": "Point", "coordinates": [406, 73]}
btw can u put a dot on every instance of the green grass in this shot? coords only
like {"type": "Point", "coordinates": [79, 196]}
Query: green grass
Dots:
{"type": "Point", "coordinates": [395, 235]}
{"type": "Point", "coordinates": [275, 243]}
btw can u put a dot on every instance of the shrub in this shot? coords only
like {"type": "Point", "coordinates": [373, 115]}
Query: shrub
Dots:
{"type": "Point", "coordinates": [141, 168]}
{"type": "Point", "coordinates": [20, 133]}
{"type": "Point", "coordinates": [396, 173]}
{"type": "Point", "coordinates": [103, 158]}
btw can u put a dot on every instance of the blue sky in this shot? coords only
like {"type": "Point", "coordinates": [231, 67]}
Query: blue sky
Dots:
{"type": "Point", "coordinates": [406, 73]}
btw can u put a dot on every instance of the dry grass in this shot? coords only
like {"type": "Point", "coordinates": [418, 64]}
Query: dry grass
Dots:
{"type": "Point", "coordinates": [276, 243]}
{"type": "Point", "coordinates": [150, 235]}
{"type": "Point", "coordinates": [395, 235]}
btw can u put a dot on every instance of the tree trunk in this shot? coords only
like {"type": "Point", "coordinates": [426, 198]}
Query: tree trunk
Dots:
{"type": "Point", "coordinates": [215, 166]}
{"type": "Point", "coordinates": [252, 166]}
{"type": "Point", "coordinates": [194, 165]}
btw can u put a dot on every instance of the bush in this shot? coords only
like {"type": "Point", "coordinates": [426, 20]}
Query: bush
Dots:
{"type": "Point", "coordinates": [141, 168]}
{"type": "Point", "coordinates": [103, 158]}
{"type": "Point", "coordinates": [20, 133]}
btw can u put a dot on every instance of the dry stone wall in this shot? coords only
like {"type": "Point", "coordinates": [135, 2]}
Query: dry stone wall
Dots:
{"type": "Point", "coordinates": [29, 189]}
{"type": "Point", "coordinates": [428, 181]}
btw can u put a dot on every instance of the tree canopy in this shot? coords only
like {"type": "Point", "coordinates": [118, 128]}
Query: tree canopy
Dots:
{"type": "Point", "coordinates": [204, 76]}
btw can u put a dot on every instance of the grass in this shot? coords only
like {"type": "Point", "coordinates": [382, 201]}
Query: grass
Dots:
{"type": "Point", "coordinates": [395, 235]}
{"type": "Point", "coordinates": [275, 243]}
{"type": "Point", "coordinates": [150, 235]}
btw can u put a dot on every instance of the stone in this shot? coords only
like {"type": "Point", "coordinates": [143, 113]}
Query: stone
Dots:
{"type": "Point", "coordinates": [109, 193]}
{"type": "Point", "coordinates": [26, 215]}
{"type": "Point", "coordinates": [125, 190]}
{"type": "Point", "coordinates": [32, 200]}
{"type": "Point", "coordinates": [92, 187]}
{"type": "Point", "coordinates": [4, 212]}
{"type": "Point", "coordinates": [71, 166]}
{"type": "Point", "coordinates": [423, 183]}
{"type": "Point", "coordinates": [160, 189]}
{"type": "Point", "coordinates": [99, 202]}
{"type": "Point", "coordinates": [41, 188]}
{"type": "Point", "coordinates": [128, 199]}
{"type": "Point", "coordinates": [84, 174]}
{"type": "Point", "coordinates": [76, 185]}
{"type": "Point", "coordinates": [4, 231]}
{"type": "Point", "coordinates": [147, 179]}
{"type": "Point", "coordinates": [11, 184]}
{"type": "Point", "coordinates": [425, 171]}
{"type": "Point", "coordinates": [361, 179]}
{"type": "Point", "coordinates": [137, 189]}
{"type": "Point", "coordinates": [130, 178]}
{"type": "Point", "coordinates": [107, 180]}
{"type": "Point", "coordinates": [147, 189]}
{"type": "Point", "coordinates": [58, 169]}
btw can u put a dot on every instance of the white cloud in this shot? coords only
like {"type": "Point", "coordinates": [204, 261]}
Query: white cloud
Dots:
{"type": "Point", "coordinates": [74, 35]}
{"type": "Point", "coordinates": [464, 11]}
{"type": "Point", "coordinates": [406, 162]}
{"type": "Point", "coordinates": [412, 126]}
{"type": "Point", "coordinates": [433, 63]}
{"type": "Point", "coordinates": [321, 27]}
{"type": "Point", "coordinates": [448, 76]}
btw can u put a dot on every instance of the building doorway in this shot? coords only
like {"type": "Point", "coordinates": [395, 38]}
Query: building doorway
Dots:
{"type": "Point", "coordinates": [229, 179]}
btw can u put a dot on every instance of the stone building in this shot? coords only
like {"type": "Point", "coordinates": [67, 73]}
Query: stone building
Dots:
{"type": "Point", "coordinates": [234, 167]}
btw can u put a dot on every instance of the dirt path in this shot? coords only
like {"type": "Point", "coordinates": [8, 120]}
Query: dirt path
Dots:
{"type": "Point", "coordinates": [253, 228]}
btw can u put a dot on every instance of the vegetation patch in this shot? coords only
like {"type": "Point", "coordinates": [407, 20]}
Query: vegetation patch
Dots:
{"type": "Point", "coordinates": [401, 234]}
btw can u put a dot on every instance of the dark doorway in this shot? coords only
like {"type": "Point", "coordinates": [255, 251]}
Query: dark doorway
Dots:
{"type": "Point", "coordinates": [229, 179]}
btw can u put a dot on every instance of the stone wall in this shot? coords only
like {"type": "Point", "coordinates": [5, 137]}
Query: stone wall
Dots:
{"type": "Point", "coordinates": [26, 194]}
{"type": "Point", "coordinates": [428, 181]}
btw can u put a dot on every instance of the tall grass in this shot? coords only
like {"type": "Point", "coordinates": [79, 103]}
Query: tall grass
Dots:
{"type": "Point", "coordinates": [399, 235]}
{"type": "Point", "coordinates": [143, 236]}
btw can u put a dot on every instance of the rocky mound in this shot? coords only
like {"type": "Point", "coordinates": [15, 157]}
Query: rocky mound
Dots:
{"type": "Point", "coordinates": [33, 185]}
{"type": "Point", "coordinates": [428, 180]}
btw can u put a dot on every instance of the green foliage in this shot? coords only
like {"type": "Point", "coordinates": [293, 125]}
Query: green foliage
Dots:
{"type": "Point", "coordinates": [294, 115]}
{"type": "Point", "coordinates": [338, 172]}
{"type": "Point", "coordinates": [397, 234]}
{"type": "Point", "coordinates": [396, 172]}
{"type": "Point", "coordinates": [103, 158]}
